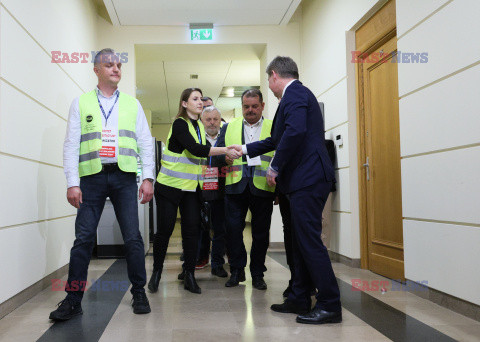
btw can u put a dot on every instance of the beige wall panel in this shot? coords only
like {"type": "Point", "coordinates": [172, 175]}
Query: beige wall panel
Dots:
{"type": "Point", "coordinates": [62, 25]}
{"type": "Point", "coordinates": [33, 251]}
{"type": "Point", "coordinates": [440, 116]}
{"type": "Point", "coordinates": [449, 38]}
{"type": "Point", "coordinates": [31, 191]}
{"type": "Point", "coordinates": [28, 129]}
{"type": "Point", "coordinates": [445, 255]}
{"type": "Point", "coordinates": [411, 12]}
{"type": "Point", "coordinates": [28, 67]}
{"type": "Point", "coordinates": [442, 186]}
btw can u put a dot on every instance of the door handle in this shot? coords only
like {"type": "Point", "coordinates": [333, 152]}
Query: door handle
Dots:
{"type": "Point", "coordinates": [367, 166]}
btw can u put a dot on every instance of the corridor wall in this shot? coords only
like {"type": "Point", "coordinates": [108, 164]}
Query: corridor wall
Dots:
{"type": "Point", "coordinates": [36, 221]}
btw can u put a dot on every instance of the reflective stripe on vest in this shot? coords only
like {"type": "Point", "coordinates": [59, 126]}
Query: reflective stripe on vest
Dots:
{"type": "Point", "coordinates": [91, 134]}
{"type": "Point", "coordinates": [183, 170]}
{"type": "Point", "coordinates": [233, 136]}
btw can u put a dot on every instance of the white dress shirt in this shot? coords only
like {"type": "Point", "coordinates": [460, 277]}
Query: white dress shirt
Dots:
{"type": "Point", "coordinates": [71, 145]}
{"type": "Point", "coordinates": [252, 132]}
{"type": "Point", "coordinates": [211, 139]}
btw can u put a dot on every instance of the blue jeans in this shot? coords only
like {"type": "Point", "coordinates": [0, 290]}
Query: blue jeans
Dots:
{"type": "Point", "coordinates": [121, 187]}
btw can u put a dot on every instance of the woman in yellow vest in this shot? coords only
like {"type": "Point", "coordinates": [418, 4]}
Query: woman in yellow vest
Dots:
{"type": "Point", "coordinates": [178, 186]}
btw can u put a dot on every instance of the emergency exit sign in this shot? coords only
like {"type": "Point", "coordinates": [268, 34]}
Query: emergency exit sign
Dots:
{"type": "Point", "coordinates": [201, 34]}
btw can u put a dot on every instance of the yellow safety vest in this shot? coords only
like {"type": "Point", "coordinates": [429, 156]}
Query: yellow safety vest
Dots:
{"type": "Point", "coordinates": [233, 136]}
{"type": "Point", "coordinates": [183, 170]}
{"type": "Point", "coordinates": [91, 134]}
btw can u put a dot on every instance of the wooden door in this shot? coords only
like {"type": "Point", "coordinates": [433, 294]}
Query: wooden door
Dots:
{"type": "Point", "coordinates": [380, 178]}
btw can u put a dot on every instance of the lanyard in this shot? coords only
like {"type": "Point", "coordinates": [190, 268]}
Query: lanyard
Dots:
{"type": "Point", "coordinates": [210, 162]}
{"type": "Point", "coordinates": [110, 111]}
{"type": "Point", "coordinates": [199, 135]}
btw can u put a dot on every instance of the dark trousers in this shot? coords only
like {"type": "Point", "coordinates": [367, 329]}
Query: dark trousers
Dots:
{"type": "Point", "coordinates": [236, 207]}
{"type": "Point", "coordinates": [190, 223]}
{"type": "Point", "coordinates": [203, 244]}
{"type": "Point", "coordinates": [121, 187]}
{"type": "Point", "coordinates": [284, 204]}
{"type": "Point", "coordinates": [219, 232]}
{"type": "Point", "coordinates": [311, 261]}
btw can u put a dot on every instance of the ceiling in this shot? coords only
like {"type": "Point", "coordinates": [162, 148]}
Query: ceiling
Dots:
{"type": "Point", "coordinates": [164, 71]}
{"type": "Point", "coordinates": [184, 12]}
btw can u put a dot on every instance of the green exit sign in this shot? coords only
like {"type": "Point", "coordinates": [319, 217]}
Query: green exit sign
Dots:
{"type": "Point", "coordinates": [201, 34]}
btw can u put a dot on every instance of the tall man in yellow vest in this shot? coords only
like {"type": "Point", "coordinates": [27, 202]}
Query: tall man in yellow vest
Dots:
{"type": "Point", "coordinates": [106, 132]}
{"type": "Point", "coordinates": [247, 188]}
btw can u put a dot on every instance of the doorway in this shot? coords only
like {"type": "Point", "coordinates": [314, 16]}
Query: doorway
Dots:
{"type": "Point", "coordinates": [381, 221]}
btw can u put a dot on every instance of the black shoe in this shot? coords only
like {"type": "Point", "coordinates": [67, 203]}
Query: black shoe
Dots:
{"type": "Point", "coordinates": [219, 272]}
{"type": "Point", "coordinates": [236, 277]}
{"type": "Point", "coordinates": [287, 291]}
{"type": "Point", "coordinates": [259, 283]}
{"type": "Point", "coordinates": [155, 280]}
{"type": "Point", "coordinates": [319, 316]}
{"type": "Point", "coordinates": [288, 307]}
{"type": "Point", "coordinates": [181, 276]}
{"type": "Point", "coordinates": [190, 283]}
{"type": "Point", "coordinates": [140, 303]}
{"type": "Point", "coordinates": [66, 310]}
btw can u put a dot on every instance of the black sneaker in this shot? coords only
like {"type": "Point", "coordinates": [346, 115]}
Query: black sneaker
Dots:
{"type": "Point", "coordinates": [66, 310]}
{"type": "Point", "coordinates": [140, 303]}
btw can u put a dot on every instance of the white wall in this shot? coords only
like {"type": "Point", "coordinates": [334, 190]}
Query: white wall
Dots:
{"type": "Point", "coordinates": [439, 125]}
{"type": "Point", "coordinates": [36, 222]}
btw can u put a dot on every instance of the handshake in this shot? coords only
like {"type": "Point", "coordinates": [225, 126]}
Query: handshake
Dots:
{"type": "Point", "coordinates": [233, 152]}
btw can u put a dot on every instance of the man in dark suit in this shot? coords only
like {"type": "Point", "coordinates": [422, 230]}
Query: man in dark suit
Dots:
{"type": "Point", "coordinates": [304, 173]}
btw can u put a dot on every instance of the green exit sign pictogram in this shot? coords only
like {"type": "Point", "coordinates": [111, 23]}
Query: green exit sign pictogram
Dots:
{"type": "Point", "coordinates": [201, 34]}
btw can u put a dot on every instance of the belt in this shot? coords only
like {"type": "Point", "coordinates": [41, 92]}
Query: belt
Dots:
{"type": "Point", "coordinates": [110, 167]}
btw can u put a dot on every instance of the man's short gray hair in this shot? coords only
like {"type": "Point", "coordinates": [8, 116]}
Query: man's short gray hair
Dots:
{"type": "Point", "coordinates": [284, 66]}
{"type": "Point", "coordinates": [210, 109]}
{"type": "Point", "coordinates": [106, 56]}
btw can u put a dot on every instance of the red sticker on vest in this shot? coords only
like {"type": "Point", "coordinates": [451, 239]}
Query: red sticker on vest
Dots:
{"type": "Point", "coordinates": [107, 152]}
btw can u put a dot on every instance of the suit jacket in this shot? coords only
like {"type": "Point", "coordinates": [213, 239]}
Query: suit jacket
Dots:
{"type": "Point", "coordinates": [298, 137]}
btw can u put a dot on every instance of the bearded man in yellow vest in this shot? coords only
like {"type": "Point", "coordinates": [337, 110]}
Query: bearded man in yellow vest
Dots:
{"type": "Point", "coordinates": [247, 188]}
{"type": "Point", "coordinates": [107, 130]}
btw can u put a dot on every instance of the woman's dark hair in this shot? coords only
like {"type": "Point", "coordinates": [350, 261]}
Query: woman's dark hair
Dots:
{"type": "Point", "coordinates": [182, 111]}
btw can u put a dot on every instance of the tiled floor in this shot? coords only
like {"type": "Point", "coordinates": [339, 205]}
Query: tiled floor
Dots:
{"type": "Point", "coordinates": [229, 314]}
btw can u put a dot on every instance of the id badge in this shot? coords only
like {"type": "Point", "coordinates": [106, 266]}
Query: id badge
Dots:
{"type": "Point", "coordinates": [210, 178]}
{"type": "Point", "coordinates": [254, 161]}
